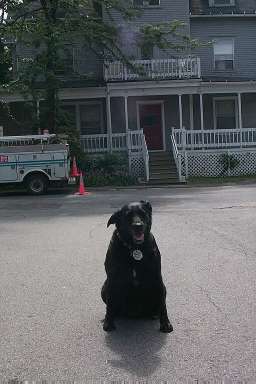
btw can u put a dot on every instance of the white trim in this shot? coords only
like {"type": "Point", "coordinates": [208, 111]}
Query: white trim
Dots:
{"type": "Point", "coordinates": [225, 15]}
{"type": "Point", "coordinates": [191, 111]}
{"type": "Point", "coordinates": [214, 3]}
{"type": "Point", "coordinates": [153, 102]}
{"type": "Point", "coordinates": [146, 4]}
{"type": "Point", "coordinates": [109, 120]}
{"type": "Point", "coordinates": [126, 114]}
{"type": "Point", "coordinates": [180, 112]}
{"type": "Point", "coordinates": [219, 98]}
{"type": "Point", "coordinates": [201, 111]}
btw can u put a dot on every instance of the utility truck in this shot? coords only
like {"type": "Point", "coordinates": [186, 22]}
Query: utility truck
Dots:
{"type": "Point", "coordinates": [37, 161]}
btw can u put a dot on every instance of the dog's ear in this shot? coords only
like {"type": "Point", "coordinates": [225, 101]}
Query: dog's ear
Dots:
{"type": "Point", "coordinates": [114, 219]}
{"type": "Point", "coordinates": [147, 206]}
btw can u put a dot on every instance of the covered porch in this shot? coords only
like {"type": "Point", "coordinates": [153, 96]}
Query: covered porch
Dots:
{"type": "Point", "coordinates": [178, 117]}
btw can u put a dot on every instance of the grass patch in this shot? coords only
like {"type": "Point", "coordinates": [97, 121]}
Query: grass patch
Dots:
{"type": "Point", "coordinates": [221, 180]}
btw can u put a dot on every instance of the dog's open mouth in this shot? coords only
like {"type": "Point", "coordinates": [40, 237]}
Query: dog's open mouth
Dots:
{"type": "Point", "coordinates": [138, 237]}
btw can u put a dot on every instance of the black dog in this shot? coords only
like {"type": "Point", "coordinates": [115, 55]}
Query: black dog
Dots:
{"type": "Point", "coordinates": [134, 285]}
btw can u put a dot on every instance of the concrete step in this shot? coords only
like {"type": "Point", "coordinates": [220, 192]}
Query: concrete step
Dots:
{"type": "Point", "coordinates": [164, 181]}
{"type": "Point", "coordinates": [162, 169]}
{"type": "Point", "coordinates": [162, 175]}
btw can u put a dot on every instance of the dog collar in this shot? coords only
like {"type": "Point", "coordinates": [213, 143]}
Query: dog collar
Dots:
{"type": "Point", "coordinates": [135, 253]}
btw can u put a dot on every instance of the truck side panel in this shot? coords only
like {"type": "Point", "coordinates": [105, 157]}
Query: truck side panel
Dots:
{"type": "Point", "coordinates": [8, 168]}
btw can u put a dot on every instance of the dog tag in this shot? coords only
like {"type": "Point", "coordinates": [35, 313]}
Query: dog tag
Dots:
{"type": "Point", "coordinates": [137, 255]}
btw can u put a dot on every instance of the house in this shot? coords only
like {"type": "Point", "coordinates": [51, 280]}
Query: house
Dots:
{"type": "Point", "coordinates": [184, 115]}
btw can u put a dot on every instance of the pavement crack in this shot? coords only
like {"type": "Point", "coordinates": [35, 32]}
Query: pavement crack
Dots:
{"type": "Point", "coordinates": [210, 299]}
{"type": "Point", "coordinates": [243, 206]}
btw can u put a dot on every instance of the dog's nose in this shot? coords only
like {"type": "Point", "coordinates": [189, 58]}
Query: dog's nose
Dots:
{"type": "Point", "coordinates": [137, 226]}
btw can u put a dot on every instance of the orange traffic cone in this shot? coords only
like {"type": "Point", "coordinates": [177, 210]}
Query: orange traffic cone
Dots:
{"type": "Point", "coordinates": [74, 171]}
{"type": "Point", "coordinates": [82, 191]}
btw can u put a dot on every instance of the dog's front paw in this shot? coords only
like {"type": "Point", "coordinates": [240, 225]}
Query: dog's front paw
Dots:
{"type": "Point", "coordinates": [166, 327]}
{"type": "Point", "coordinates": [108, 326]}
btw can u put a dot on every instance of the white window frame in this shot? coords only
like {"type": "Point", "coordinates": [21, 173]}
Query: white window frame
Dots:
{"type": "Point", "coordinates": [214, 3]}
{"type": "Point", "coordinates": [218, 98]}
{"type": "Point", "coordinates": [219, 38]}
{"type": "Point", "coordinates": [147, 5]}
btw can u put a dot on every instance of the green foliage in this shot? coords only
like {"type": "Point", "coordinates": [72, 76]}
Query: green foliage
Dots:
{"type": "Point", "coordinates": [108, 169]}
{"type": "Point", "coordinates": [228, 162]}
{"type": "Point", "coordinates": [165, 36]}
{"type": "Point", "coordinates": [5, 63]}
{"type": "Point", "coordinates": [47, 27]}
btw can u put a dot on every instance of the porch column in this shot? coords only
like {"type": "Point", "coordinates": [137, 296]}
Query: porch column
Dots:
{"type": "Point", "coordinates": [180, 112]}
{"type": "Point", "coordinates": [191, 111]}
{"type": "Point", "coordinates": [126, 122]}
{"type": "Point", "coordinates": [109, 121]}
{"type": "Point", "coordinates": [201, 111]}
{"type": "Point", "coordinates": [202, 117]}
{"type": "Point", "coordinates": [240, 121]}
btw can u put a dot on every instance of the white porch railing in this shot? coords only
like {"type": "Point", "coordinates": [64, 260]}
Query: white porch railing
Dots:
{"type": "Point", "coordinates": [215, 139]}
{"type": "Point", "coordinates": [133, 142]}
{"type": "Point", "coordinates": [120, 142]}
{"type": "Point", "coordinates": [175, 68]}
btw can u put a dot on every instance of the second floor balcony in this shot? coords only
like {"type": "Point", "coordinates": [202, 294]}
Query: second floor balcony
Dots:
{"type": "Point", "coordinates": [155, 69]}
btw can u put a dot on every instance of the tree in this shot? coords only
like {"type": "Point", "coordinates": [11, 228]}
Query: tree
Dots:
{"type": "Point", "coordinates": [46, 26]}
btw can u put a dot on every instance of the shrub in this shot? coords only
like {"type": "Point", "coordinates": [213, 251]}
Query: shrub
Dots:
{"type": "Point", "coordinates": [228, 162]}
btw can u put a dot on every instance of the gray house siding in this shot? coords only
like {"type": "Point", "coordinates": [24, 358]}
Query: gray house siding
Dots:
{"type": "Point", "coordinates": [240, 6]}
{"type": "Point", "coordinates": [243, 31]}
{"type": "Point", "coordinates": [166, 12]}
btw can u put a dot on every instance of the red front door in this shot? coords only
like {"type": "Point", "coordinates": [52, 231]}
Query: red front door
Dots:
{"type": "Point", "coordinates": [151, 122]}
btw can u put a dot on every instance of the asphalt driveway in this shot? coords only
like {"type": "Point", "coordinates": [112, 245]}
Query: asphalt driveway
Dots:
{"type": "Point", "coordinates": [52, 251]}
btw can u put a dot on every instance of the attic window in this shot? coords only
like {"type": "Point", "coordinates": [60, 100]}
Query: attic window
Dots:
{"type": "Point", "coordinates": [221, 3]}
{"type": "Point", "coordinates": [146, 3]}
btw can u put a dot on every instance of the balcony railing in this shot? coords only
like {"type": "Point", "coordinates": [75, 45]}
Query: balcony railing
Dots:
{"type": "Point", "coordinates": [175, 68]}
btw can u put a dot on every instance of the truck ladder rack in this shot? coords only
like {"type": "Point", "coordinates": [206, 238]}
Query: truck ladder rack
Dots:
{"type": "Point", "coordinates": [25, 140]}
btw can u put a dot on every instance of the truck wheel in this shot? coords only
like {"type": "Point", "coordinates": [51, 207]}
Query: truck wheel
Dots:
{"type": "Point", "coordinates": [37, 184]}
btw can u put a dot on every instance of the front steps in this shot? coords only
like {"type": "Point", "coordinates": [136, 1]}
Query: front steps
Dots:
{"type": "Point", "coordinates": [162, 169]}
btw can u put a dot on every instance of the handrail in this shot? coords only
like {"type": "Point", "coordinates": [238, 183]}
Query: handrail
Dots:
{"type": "Point", "coordinates": [176, 154]}
{"type": "Point", "coordinates": [145, 157]}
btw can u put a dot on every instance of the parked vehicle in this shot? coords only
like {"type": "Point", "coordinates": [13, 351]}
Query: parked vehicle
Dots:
{"type": "Point", "coordinates": [35, 161]}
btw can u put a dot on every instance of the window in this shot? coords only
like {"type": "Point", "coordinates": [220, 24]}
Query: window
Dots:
{"type": "Point", "coordinates": [225, 113]}
{"type": "Point", "coordinates": [91, 119]}
{"type": "Point", "coordinates": [221, 3]}
{"type": "Point", "coordinates": [146, 3]}
{"type": "Point", "coordinates": [223, 54]}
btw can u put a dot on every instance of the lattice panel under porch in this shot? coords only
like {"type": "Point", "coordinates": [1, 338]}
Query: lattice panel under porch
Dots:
{"type": "Point", "coordinates": [137, 165]}
{"type": "Point", "coordinates": [209, 163]}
